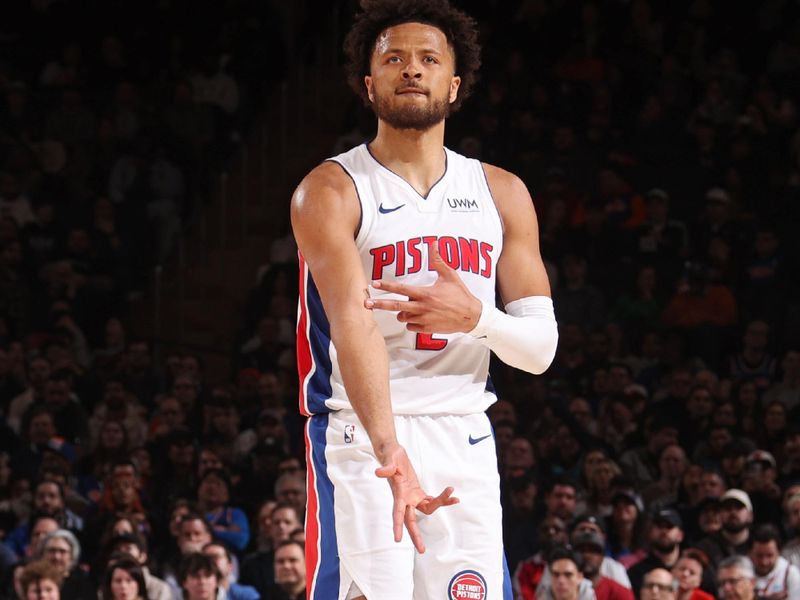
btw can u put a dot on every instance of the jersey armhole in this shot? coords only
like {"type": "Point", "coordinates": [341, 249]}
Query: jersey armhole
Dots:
{"type": "Point", "coordinates": [494, 200]}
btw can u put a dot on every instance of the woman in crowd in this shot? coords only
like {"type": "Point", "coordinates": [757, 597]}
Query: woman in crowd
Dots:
{"type": "Point", "coordinates": [626, 527]}
{"type": "Point", "coordinates": [62, 551]}
{"type": "Point", "coordinates": [688, 572]}
{"type": "Point", "coordinates": [124, 580]}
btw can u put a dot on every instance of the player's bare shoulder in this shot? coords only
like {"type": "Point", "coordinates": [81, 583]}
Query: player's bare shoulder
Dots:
{"type": "Point", "coordinates": [326, 193]}
{"type": "Point", "coordinates": [510, 194]}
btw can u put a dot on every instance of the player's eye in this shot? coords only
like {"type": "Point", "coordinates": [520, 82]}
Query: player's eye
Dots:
{"type": "Point", "coordinates": [430, 60]}
{"type": "Point", "coordinates": [394, 59]}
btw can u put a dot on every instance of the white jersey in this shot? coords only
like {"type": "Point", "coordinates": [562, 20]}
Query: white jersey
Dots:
{"type": "Point", "coordinates": [428, 374]}
{"type": "Point", "coordinates": [783, 578]}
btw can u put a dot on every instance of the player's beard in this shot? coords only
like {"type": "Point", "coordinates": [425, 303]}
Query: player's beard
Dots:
{"type": "Point", "coordinates": [405, 115]}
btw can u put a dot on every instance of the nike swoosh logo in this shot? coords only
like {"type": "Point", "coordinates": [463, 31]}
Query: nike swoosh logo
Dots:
{"type": "Point", "coordinates": [474, 441]}
{"type": "Point", "coordinates": [386, 211]}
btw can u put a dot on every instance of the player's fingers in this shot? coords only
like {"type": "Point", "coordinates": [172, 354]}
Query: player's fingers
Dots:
{"type": "Point", "coordinates": [385, 304]}
{"type": "Point", "coordinates": [412, 291]}
{"type": "Point", "coordinates": [429, 504]}
{"type": "Point", "coordinates": [386, 471]}
{"type": "Point", "coordinates": [418, 328]}
{"type": "Point", "coordinates": [413, 529]}
{"type": "Point", "coordinates": [442, 268]}
{"type": "Point", "coordinates": [410, 313]}
{"type": "Point", "coordinates": [398, 518]}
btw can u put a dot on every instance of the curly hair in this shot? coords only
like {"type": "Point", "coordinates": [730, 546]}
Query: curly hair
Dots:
{"type": "Point", "coordinates": [37, 571]}
{"type": "Point", "coordinates": [459, 28]}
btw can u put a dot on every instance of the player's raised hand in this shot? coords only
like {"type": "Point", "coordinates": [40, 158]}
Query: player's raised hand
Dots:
{"type": "Point", "coordinates": [409, 496]}
{"type": "Point", "coordinates": [447, 306]}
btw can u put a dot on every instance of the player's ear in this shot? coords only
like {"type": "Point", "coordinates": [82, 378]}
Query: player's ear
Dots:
{"type": "Point", "coordinates": [455, 83]}
{"type": "Point", "coordinates": [368, 84]}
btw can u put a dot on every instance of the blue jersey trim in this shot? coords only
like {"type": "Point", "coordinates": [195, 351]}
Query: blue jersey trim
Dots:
{"type": "Point", "coordinates": [319, 333]}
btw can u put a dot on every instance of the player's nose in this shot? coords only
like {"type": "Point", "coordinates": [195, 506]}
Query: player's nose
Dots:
{"type": "Point", "coordinates": [412, 70]}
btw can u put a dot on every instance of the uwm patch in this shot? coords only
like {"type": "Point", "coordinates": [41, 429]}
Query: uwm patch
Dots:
{"type": "Point", "coordinates": [467, 585]}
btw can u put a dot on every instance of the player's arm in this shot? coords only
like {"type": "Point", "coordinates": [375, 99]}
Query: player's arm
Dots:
{"type": "Point", "coordinates": [526, 335]}
{"type": "Point", "coordinates": [325, 214]}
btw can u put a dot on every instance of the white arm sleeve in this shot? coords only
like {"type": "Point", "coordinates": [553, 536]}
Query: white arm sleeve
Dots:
{"type": "Point", "coordinates": [525, 336]}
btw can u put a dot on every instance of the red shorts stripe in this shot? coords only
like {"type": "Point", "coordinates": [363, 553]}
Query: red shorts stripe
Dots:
{"type": "Point", "coordinates": [312, 519]}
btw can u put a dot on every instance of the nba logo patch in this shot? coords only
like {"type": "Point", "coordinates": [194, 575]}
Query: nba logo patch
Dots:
{"type": "Point", "coordinates": [467, 585]}
{"type": "Point", "coordinates": [349, 434]}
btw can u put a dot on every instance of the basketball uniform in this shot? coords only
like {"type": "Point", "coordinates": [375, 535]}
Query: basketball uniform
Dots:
{"type": "Point", "coordinates": [439, 390]}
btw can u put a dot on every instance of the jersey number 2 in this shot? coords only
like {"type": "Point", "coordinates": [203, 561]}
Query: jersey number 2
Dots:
{"type": "Point", "coordinates": [426, 341]}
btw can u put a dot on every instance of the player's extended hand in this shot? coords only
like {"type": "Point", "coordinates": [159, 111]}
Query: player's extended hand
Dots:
{"type": "Point", "coordinates": [447, 306]}
{"type": "Point", "coordinates": [408, 495]}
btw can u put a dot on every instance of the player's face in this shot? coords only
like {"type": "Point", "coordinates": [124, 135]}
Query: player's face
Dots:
{"type": "Point", "coordinates": [412, 79]}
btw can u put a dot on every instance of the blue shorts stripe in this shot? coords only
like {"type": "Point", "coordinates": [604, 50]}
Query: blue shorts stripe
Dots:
{"type": "Point", "coordinates": [327, 580]}
{"type": "Point", "coordinates": [508, 591]}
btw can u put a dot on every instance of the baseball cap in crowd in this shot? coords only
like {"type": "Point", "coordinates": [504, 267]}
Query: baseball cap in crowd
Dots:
{"type": "Point", "coordinates": [588, 538]}
{"type": "Point", "coordinates": [596, 520]}
{"type": "Point", "coordinates": [717, 194]}
{"type": "Point", "coordinates": [668, 516]}
{"type": "Point", "coordinates": [708, 503]}
{"type": "Point", "coordinates": [657, 194]}
{"type": "Point", "coordinates": [739, 496]}
{"type": "Point", "coordinates": [629, 496]}
{"type": "Point", "coordinates": [636, 389]}
{"type": "Point", "coordinates": [761, 456]}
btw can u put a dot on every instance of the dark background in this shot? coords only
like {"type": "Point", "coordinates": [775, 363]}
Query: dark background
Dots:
{"type": "Point", "coordinates": [148, 151]}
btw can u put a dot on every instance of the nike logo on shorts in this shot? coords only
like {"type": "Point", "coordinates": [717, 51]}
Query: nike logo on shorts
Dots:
{"type": "Point", "coordinates": [386, 211]}
{"type": "Point", "coordinates": [474, 441]}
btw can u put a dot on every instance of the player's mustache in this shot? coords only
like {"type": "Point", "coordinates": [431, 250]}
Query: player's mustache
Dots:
{"type": "Point", "coordinates": [411, 86]}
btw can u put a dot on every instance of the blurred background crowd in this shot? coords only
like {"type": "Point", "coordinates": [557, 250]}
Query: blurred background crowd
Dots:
{"type": "Point", "coordinates": [659, 455]}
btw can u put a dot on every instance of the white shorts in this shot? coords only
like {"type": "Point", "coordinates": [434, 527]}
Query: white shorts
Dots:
{"type": "Point", "coordinates": [349, 540]}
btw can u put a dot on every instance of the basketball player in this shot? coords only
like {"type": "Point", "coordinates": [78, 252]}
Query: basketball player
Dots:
{"type": "Point", "coordinates": [402, 243]}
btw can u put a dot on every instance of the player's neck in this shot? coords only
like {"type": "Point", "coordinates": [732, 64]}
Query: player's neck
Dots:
{"type": "Point", "coordinates": [416, 156]}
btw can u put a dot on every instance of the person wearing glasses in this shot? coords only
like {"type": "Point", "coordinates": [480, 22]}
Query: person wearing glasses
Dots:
{"type": "Point", "coordinates": [658, 584]}
{"type": "Point", "coordinates": [736, 579]}
{"type": "Point", "coordinates": [62, 551]}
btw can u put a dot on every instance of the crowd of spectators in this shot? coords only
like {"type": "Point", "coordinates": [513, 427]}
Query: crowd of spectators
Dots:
{"type": "Point", "coordinates": [660, 453]}
{"type": "Point", "coordinates": [659, 457]}
{"type": "Point", "coordinates": [122, 477]}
